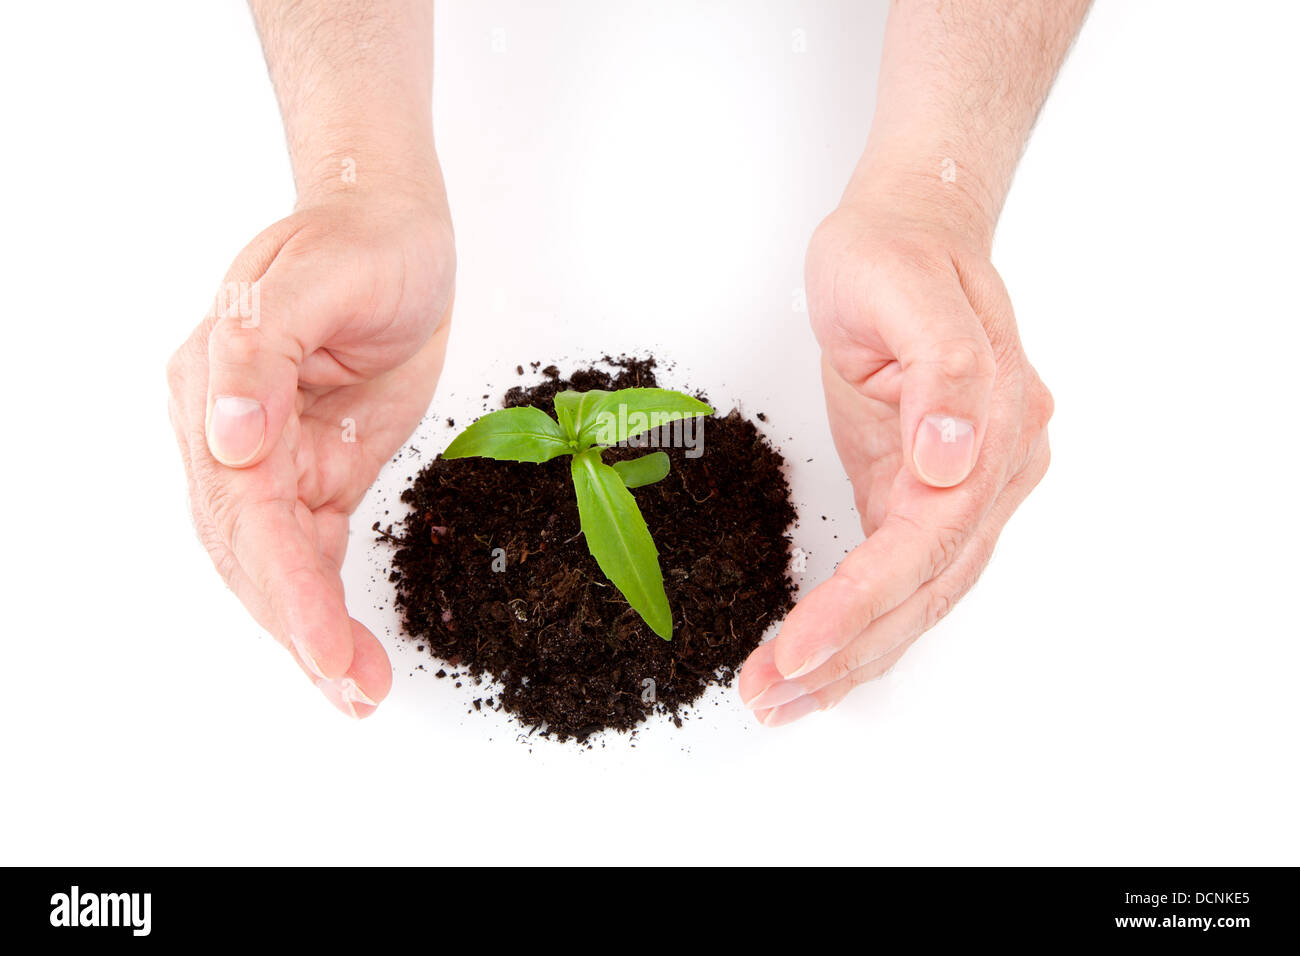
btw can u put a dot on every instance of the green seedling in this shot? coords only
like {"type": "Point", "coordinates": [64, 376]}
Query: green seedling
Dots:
{"type": "Point", "coordinates": [612, 523]}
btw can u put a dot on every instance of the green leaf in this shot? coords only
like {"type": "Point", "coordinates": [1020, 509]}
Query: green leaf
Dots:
{"type": "Point", "coordinates": [512, 434]}
{"type": "Point", "coordinates": [645, 470]}
{"type": "Point", "coordinates": [629, 411]}
{"type": "Point", "coordinates": [619, 540]}
{"type": "Point", "coordinates": [571, 408]}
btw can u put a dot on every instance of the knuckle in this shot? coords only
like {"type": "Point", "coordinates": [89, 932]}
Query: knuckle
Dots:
{"type": "Point", "coordinates": [222, 559]}
{"type": "Point", "coordinates": [946, 544]}
{"type": "Point", "coordinates": [944, 595]}
{"type": "Point", "coordinates": [964, 359]}
{"type": "Point", "coordinates": [222, 509]}
{"type": "Point", "coordinates": [863, 675]}
{"type": "Point", "coordinates": [1039, 404]}
{"type": "Point", "coordinates": [211, 541]}
{"type": "Point", "coordinates": [876, 605]}
{"type": "Point", "coordinates": [231, 344]}
{"type": "Point", "coordinates": [225, 564]}
{"type": "Point", "coordinates": [937, 605]}
{"type": "Point", "coordinates": [841, 666]}
{"type": "Point", "coordinates": [1047, 403]}
{"type": "Point", "coordinates": [855, 659]}
{"type": "Point", "coordinates": [175, 373]}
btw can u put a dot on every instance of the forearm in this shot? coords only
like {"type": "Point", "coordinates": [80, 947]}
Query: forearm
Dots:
{"type": "Point", "coordinates": [354, 79]}
{"type": "Point", "coordinates": [961, 83]}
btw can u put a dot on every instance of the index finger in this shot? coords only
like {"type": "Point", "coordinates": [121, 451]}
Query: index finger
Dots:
{"type": "Point", "coordinates": [273, 548]}
{"type": "Point", "coordinates": [273, 538]}
{"type": "Point", "coordinates": [919, 537]}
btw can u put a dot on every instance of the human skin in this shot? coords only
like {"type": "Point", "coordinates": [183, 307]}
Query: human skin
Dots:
{"type": "Point", "coordinates": [285, 412]}
{"type": "Point", "coordinates": [938, 417]}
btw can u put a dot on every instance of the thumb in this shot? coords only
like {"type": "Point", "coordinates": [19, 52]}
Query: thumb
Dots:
{"type": "Point", "coordinates": [947, 384]}
{"type": "Point", "coordinates": [252, 374]}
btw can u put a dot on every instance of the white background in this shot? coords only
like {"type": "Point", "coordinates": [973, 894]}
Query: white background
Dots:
{"type": "Point", "coordinates": [1120, 688]}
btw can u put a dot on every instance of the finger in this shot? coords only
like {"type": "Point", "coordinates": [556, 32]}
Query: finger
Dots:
{"type": "Point", "coordinates": [215, 528]}
{"type": "Point", "coordinates": [254, 353]}
{"type": "Point", "coordinates": [368, 680]}
{"type": "Point", "coordinates": [832, 694]}
{"type": "Point", "coordinates": [223, 559]}
{"type": "Point", "coordinates": [235, 426]}
{"type": "Point", "coordinates": [776, 699]}
{"type": "Point", "coordinates": [212, 540]}
{"type": "Point", "coordinates": [272, 312]}
{"type": "Point", "coordinates": [276, 548]}
{"type": "Point", "coordinates": [766, 688]}
{"type": "Point", "coordinates": [920, 535]}
{"type": "Point", "coordinates": [307, 603]}
{"type": "Point", "coordinates": [761, 684]}
{"type": "Point", "coordinates": [252, 381]}
{"type": "Point", "coordinates": [908, 549]}
{"type": "Point", "coordinates": [369, 677]}
{"type": "Point", "coordinates": [932, 602]}
{"type": "Point", "coordinates": [948, 369]}
{"type": "Point", "coordinates": [762, 687]}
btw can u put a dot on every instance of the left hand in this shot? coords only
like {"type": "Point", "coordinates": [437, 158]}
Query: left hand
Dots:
{"type": "Point", "coordinates": [940, 422]}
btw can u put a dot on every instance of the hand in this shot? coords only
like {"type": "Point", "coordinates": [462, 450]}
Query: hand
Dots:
{"type": "Point", "coordinates": [941, 424]}
{"type": "Point", "coordinates": [318, 362]}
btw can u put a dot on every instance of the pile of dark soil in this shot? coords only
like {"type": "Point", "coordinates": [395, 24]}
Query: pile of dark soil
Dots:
{"type": "Point", "coordinates": [568, 655]}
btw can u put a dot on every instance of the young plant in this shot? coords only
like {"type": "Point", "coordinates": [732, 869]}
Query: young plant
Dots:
{"type": "Point", "coordinates": [612, 523]}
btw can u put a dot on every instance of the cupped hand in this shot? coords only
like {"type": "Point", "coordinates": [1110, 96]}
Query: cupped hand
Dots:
{"type": "Point", "coordinates": [317, 362]}
{"type": "Point", "coordinates": [941, 424]}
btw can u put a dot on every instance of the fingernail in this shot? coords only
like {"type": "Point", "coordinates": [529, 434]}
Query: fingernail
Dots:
{"type": "Point", "coordinates": [812, 662]}
{"type": "Point", "coordinates": [236, 429]}
{"type": "Point", "coordinates": [308, 661]}
{"type": "Point", "coordinates": [944, 450]}
{"type": "Point", "coordinates": [347, 696]}
{"type": "Point", "coordinates": [781, 692]}
{"type": "Point", "coordinates": [789, 713]}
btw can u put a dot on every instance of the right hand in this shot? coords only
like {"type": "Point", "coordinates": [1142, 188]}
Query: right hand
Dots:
{"type": "Point", "coordinates": [286, 410]}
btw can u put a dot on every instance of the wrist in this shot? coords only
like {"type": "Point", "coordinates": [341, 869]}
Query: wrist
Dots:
{"type": "Point", "coordinates": [343, 166]}
{"type": "Point", "coordinates": [935, 192]}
